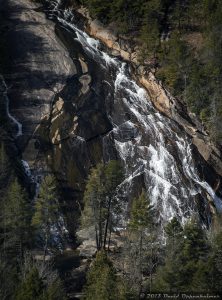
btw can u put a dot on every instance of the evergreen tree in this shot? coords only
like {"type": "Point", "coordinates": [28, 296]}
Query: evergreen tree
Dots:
{"type": "Point", "coordinates": [99, 8]}
{"type": "Point", "coordinates": [184, 259]}
{"type": "Point", "coordinates": [174, 232]}
{"type": "Point", "coordinates": [113, 177]}
{"type": "Point", "coordinates": [46, 209]}
{"type": "Point", "coordinates": [150, 29]}
{"type": "Point", "coordinates": [102, 281]}
{"type": "Point", "coordinates": [100, 201]}
{"type": "Point", "coordinates": [142, 249]}
{"type": "Point", "coordinates": [212, 277]}
{"type": "Point", "coordinates": [94, 203]}
{"type": "Point", "coordinates": [38, 281]}
{"type": "Point", "coordinates": [8, 278]}
{"type": "Point", "coordinates": [16, 219]}
{"type": "Point", "coordinates": [32, 287]}
{"type": "Point", "coordinates": [141, 214]}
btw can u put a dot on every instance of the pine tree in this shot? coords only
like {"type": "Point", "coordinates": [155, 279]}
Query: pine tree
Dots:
{"type": "Point", "coordinates": [174, 232]}
{"type": "Point", "coordinates": [141, 212]}
{"type": "Point", "coordinates": [94, 203]}
{"type": "Point", "coordinates": [102, 281]}
{"type": "Point", "coordinates": [32, 287]}
{"type": "Point", "coordinates": [16, 219]}
{"type": "Point", "coordinates": [183, 260]}
{"type": "Point", "coordinates": [8, 279]}
{"type": "Point", "coordinates": [142, 252]}
{"type": "Point", "coordinates": [38, 281]}
{"type": "Point", "coordinates": [100, 201]}
{"type": "Point", "coordinates": [208, 276]}
{"type": "Point", "coordinates": [113, 177]}
{"type": "Point", "coordinates": [46, 209]}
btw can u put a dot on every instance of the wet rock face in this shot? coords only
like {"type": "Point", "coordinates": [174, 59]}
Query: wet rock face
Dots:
{"type": "Point", "coordinates": [39, 64]}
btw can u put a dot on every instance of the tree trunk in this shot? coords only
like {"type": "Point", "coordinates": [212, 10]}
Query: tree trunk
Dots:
{"type": "Point", "coordinates": [140, 254]}
{"type": "Point", "coordinates": [100, 227]}
{"type": "Point", "coordinates": [46, 245]}
{"type": "Point", "coordinates": [151, 269]}
{"type": "Point", "coordinates": [107, 223]}
{"type": "Point", "coordinates": [97, 238]}
{"type": "Point", "coordinates": [110, 232]}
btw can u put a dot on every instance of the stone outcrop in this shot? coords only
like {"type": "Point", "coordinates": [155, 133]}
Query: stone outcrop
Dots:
{"type": "Point", "coordinates": [161, 98]}
{"type": "Point", "coordinates": [38, 66]}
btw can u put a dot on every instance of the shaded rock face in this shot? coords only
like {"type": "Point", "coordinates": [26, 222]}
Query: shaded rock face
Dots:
{"type": "Point", "coordinates": [78, 106]}
{"type": "Point", "coordinates": [39, 63]}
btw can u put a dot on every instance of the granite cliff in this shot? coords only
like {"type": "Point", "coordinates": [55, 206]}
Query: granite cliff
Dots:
{"type": "Point", "coordinates": [74, 102]}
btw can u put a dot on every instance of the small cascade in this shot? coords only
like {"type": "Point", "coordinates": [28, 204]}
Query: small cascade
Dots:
{"type": "Point", "coordinates": [16, 123]}
{"type": "Point", "coordinates": [152, 147]}
{"type": "Point", "coordinates": [4, 90]}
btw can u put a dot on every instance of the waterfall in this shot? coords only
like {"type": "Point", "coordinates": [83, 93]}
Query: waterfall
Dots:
{"type": "Point", "coordinates": [151, 146]}
{"type": "Point", "coordinates": [4, 90]}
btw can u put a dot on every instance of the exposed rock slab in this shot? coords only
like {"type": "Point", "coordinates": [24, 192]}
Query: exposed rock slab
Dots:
{"type": "Point", "coordinates": [39, 64]}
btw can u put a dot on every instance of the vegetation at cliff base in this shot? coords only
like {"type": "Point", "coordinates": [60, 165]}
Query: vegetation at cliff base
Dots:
{"type": "Point", "coordinates": [24, 275]}
{"type": "Point", "coordinates": [102, 280]}
{"type": "Point", "coordinates": [188, 261]}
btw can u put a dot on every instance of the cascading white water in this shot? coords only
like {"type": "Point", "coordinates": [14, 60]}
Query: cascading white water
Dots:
{"type": "Point", "coordinates": [16, 122]}
{"type": "Point", "coordinates": [13, 119]}
{"type": "Point", "coordinates": [149, 144]}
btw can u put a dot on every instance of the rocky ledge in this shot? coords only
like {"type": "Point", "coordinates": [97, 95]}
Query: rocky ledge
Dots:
{"type": "Point", "coordinates": [122, 46]}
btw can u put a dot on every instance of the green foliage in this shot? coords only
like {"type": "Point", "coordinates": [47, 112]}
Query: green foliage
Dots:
{"type": "Point", "coordinates": [8, 279]}
{"type": "Point", "coordinates": [32, 287]}
{"type": "Point", "coordinates": [35, 287]}
{"type": "Point", "coordinates": [15, 221]}
{"type": "Point", "coordinates": [141, 246]}
{"type": "Point", "coordinates": [100, 202]}
{"type": "Point", "coordinates": [173, 229]}
{"type": "Point", "coordinates": [186, 253]}
{"type": "Point", "coordinates": [102, 281]}
{"type": "Point", "coordinates": [194, 245]}
{"type": "Point", "coordinates": [141, 213]}
{"type": "Point", "coordinates": [212, 277]}
{"type": "Point", "coordinates": [55, 290]}
{"type": "Point", "coordinates": [99, 8]}
{"type": "Point", "coordinates": [46, 208]}
{"type": "Point", "coordinates": [17, 280]}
